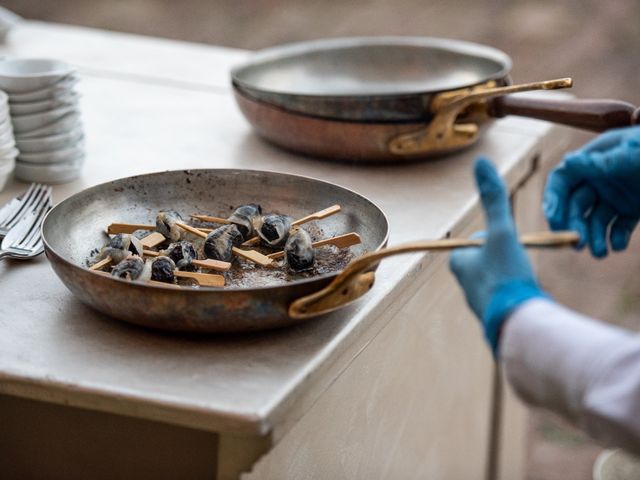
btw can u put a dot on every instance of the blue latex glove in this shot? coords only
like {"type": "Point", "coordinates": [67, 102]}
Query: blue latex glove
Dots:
{"type": "Point", "coordinates": [496, 277]}
{"type": "Point", "coordinates": [596, 190]}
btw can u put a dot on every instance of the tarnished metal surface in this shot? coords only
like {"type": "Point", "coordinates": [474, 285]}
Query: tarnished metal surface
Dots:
{"type": "Point", "coordinates": [368, 79]}
{"type": "Point", "coordinates": [76, 226]}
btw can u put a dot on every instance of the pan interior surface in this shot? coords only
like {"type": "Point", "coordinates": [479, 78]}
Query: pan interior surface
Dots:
{"type": "Point", "coordinates": [77, 225]}
{"type": "Point", "coordinates": [371, 66]}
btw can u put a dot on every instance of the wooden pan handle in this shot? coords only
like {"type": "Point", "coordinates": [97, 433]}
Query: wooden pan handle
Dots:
{"type": "Point", "coordinates": [594, 115]}
{"type": "Point", "coordinates": [354, 281]}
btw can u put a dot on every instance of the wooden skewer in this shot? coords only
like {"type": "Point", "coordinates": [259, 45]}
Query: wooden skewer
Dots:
{"type": "Point", "coordinates": [340, 241]}
{"type": "Point", "coordinates": [115, 228]}
{"type": "Point", "coordinates": [153, 240]}
{"type": "Point", "coordinates": [105, 262]}
{"type": "Point", "coordinates": [209, 218]}
{"type": "Point", "coordinates": [208, 264]}
{"type": "Point", "coordinates": [327, 212]}
{"type": "Point", "coordinates": [203, 279]}
{"type": "Point", "coordinates": [251, 255]}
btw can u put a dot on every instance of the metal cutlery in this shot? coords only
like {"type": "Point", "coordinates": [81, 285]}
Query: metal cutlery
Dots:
{"type": "Point", "coordinates": [23, 241]}
{"type": "Point", "coordinates": [19, 207]}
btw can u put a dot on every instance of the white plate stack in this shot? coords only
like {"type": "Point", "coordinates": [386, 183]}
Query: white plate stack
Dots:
{"type": "Point", "coordinates": [46, 119]}
{"type": "Point", "coordinates": [8, 151]}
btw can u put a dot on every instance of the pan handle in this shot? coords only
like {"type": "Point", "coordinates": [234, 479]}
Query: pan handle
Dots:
{"type": "Point", "coordinates": [354, 281]}
{"type": "Point", "coordinates": [595, 115]}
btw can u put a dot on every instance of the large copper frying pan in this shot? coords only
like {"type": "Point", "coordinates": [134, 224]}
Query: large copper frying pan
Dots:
{"type": "Point", "coordinates": [75, 226]}
{"type": "Point", "coordinates": [391, 98]}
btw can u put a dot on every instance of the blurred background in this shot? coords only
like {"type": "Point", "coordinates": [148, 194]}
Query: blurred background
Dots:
{"type": "Point", "coordinates": [594, 42]}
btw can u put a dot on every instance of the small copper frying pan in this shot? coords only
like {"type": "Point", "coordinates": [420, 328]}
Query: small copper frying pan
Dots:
{"type": "Point", "coordinates": [392, 98]}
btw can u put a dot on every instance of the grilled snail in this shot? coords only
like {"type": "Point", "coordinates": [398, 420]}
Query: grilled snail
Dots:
{"type": "Point", "coordinates": [132, 268]}
{"type": "Point", "coordinates": [298, 250]}
{"type": "Point", "coordinates": [243, 217]}
{"type": "Point", "coordinates": [167, 225]}
{"type": "Point", "coordinates": [273, 229]}
{"type": "Point", "coordinates": [219, 244]}
{"type": "Point", "coordinates": [120, 246]}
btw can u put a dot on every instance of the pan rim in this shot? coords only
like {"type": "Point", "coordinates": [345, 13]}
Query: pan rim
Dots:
{"type": "Point", "coordinates": [49, 250]}
{"type": "Point", "coordinates": [278, 52]}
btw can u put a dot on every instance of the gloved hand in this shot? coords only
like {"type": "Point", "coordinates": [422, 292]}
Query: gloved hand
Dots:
{"type": "Point", "coordinates": [598, 186]}
{"type": "Point", "coordinates": [496, 277]}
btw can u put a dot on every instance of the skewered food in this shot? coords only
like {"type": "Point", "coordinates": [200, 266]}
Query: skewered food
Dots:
{"type": "Point", "coordinates": [132, 268]}
{"type": "Point", "coordinates": [299, 250]}
{"type": "Point", "coordinates": [243, 217]}
{"type": "Point", "coordinates": [178, 263]}
{"type": "Point", "coordinates": [162, 269]}
{"type": "Point", "coordinates": [273, 229]}
{"type": "Point", "coordinates": [120, 247]}
{"type": "Point", "coordinates": [167, 225]}
{"type": "Point", "coordinates": [183, 254]}
{"type": "Point", "coordinates": [219, 244]}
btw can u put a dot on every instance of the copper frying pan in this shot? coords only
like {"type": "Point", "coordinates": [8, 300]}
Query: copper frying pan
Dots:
{"type": "Point", "coordinates": [390, 98]}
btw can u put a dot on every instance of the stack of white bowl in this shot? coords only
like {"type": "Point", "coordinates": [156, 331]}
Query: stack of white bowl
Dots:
{"type": "Point", "coordinates": [8, 151]}
{"type": "Point", "coordinates": [45, 117]}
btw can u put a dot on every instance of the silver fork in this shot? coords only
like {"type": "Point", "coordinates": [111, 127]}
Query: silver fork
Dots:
{"type": "Point", "coordinates": [24, 241]}
{"type": "Point", "coordinates": [18, 208]}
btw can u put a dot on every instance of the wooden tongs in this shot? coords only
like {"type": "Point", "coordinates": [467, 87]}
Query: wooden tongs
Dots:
{"type": "Point", "coordinates": [355, 280]}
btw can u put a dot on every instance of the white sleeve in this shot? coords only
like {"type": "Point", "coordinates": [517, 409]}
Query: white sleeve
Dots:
{"type": "Point", "coordinates": [583, 369]}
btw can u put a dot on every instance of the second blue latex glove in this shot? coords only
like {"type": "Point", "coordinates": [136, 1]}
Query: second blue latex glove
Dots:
{"type": "Point", "coordinates": [596, 191]}
{"type": "Point", "coordinates": [496, 277]}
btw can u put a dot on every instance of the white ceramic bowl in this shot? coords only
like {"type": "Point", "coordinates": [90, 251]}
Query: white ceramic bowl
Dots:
{"type": "Point", "coordinates": [5, 172]}
{"type": "Point", "coordinates": [62, 88]}
{"type": "Point", "coordinates": [64, 124]}
{"type": "Point", "coordinates": [8, 153]}
{"type": "Point", "coordinates": [6, 138]}
{"type": "Point", "coordinates": [50, 142]}
{"type": "Point", "coordinates": [56, 156]}
{"type": "Point", "coordinates": [56, 173]}
{"type": "Point", "coordinates": [68, 99]}
{"type": "Point", "coordinates": [23, 75]}
{"type": "Point", "coordinates": [26, 123]}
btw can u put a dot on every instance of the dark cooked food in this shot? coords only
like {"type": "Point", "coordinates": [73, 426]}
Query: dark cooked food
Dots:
{"type": "Point", "coordinates": [273, 229]}
{"type": "Point", "coordinates": [132, 268]}
{"type": "Point", "coordinates": [243, 217]}
{"type": "Point", "coordinates": [219, 244]}
{"type": "Point", "coordinates": [120, 246]}
{"type": "Point", "coordinates": [182, 254]}
{"type": "Point", "coordinates": [162, 269]}
{"type": "Point", "coordinates": [166, 224]}
{"type": "Point", "coordinates": [298, 250]}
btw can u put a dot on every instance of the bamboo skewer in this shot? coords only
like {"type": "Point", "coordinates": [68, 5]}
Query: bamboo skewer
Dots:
{"type": "Point", "coordinates": [208, 264]}
{"type": "Point", "coordinates": [250, 255]}
{"type": "Point", "coordinates": [327, 212]}
{"type": "Point", "coordinates": [203, 279]}
{"type": "Point", "coordinates": [105, 262]}
{"type": "Point", "coordinates": [209, 218]}
{"type": "Point", "coordinates": [115, 228]}
{"type": "Point", "coordinates": [153, 240]}
{"type": "Point", "coordinates": [340, 241]}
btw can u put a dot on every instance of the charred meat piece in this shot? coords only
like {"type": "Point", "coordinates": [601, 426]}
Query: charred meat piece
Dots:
{"type": "Point", "coordinates": [273, 229]}
{"type": "Point", "coordinates": [120, 246]}
{"type": "Point", "coordinates": [182, 254]}
{"type": "Point", "coordinates": [162, 270]}
{"type": "Point", "coordinates": [219, 244]}
{"type": "Point", "coordinates": [243, 217]}
{"type": "Point", "coordinates": [298, 250]}
{"type": "Point", "coordinates": [166, 224]}
{"type": "Point", "coordinates": [132, 268]}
